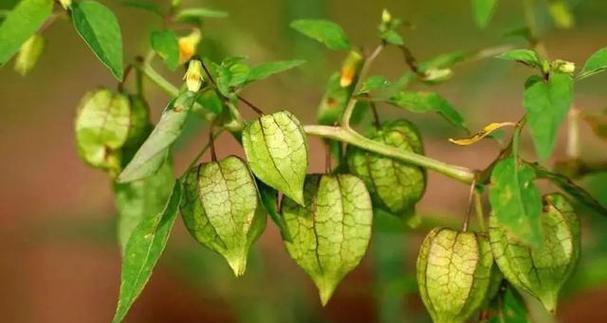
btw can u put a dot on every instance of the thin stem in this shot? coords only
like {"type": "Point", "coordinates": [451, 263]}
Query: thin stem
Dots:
{"type": "Point", "coordinates": [345, 120]}
{"type": "Point", "coordinates": [376, 120]}
{"type": "Point", "coordinates": [528, 7]}
{"type": "Point", "coordinates": [411, 61]}
{"type": "Point", "coordinates": [469, 208]}
{"type": "Point", "coordinates": [161, 82]}
{"type": "Point", "coordinates": [349, 136]}
{"type": "Point", "coordinates": [327, 158]}
{"type": "Point", "coordinates": [127, 72]}
{"type": "Point", "coordinates": [212, 144]}
{"type": "Point", "coordinates": [51, 20]}
{"type": "Point", "coordinates": [573, 133]}
{"type": "Point", "coordinates": [204, 149]}
{"type": "Point", "coordinates": [480, 214]}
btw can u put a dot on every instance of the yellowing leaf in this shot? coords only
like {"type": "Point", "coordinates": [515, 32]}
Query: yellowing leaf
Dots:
{"type": "Point", "coordinates": [486, 131]}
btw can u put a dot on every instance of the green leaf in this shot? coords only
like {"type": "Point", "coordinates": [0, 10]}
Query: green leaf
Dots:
{"type": "Point", "coordinates": [596, 63]}
{"type": "Point", "coordinates": [155, 149]}
{"type": "Point", "coordinates": [515, 200]}
{"type": "Point", "coordinates": [569, 187]}
{"type": "Point", "coordinates": [198, 13]}
{"type": "Point", "coordinates": [269, 198]}
{"type": "Point", "coordinates": [457, 264]}
{"type": "Point", "coordinates": [422, 102]}
{"type": "Point", "coordinates": [541, 270]}
{"type": "Point", "coordinates": [99, 28]}
{"type": "Point", "coordinates": [483, 11]}
{"type": "Point", "coordinates": [547, 104]}
{"type": "Point", "coordinates": [332, 231]}
{"type": "Point", "coordinates": [276, 147]}
{"type": "Point", "coordinates": [102, 128]}
{"type": "Point", "coordinates": [512, 309]}
{"type": "Point", "coordinates": [140, 199]}
{"type": "Point", "coordinates": [375, 82]}
{"type": "Point", "coordinates": [221, 209]}
{"type": "Point", "coordinates": [166, 45]}
{"type": "Point", "coordinates": [324, 31]}
{"type": "Point", "coordinates": [144, 5]}
{"type": "Point", "coordinates": [231, 74]}
{"type": "Point", "coordinates": [20, 24]}
{"type": "Point", "coordinates": [263, 71]}
{"type": "Point", "coordinates": [524, 56]}
{"type": "Point", "coordinates": [391, 36]}
{"type": "Point", "coordinates": [146, 244]}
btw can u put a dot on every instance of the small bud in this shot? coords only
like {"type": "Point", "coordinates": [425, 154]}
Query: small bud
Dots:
{"type": "Point", "coordinates": [66, 4]}
{"type": "Point", "coordinates": [564, 66]}
{"type": "Point", "coordinates": [386, 17]}
{"type": "Point", "coordinates": [436, 75]}
{"type": "Point", "coordinates": [350, 68]}
{"type": "Point", "coordinates": [193, 76]}
{"type": "Point", "coordinates": [187, 45]}
{"type": "Point", "coordinates": [29, 53]}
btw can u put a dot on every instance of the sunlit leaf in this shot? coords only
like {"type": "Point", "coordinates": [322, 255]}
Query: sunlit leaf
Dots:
{"type": "Point", "coordinates": [324, 31]}
{"type": "Point", "coordinates": [20, 24]}
{"type": "Point", "coordinates": [99, 28]}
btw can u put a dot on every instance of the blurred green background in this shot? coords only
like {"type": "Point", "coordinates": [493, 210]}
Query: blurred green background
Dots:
{"type": "Point", "coordinates": [59, 260]}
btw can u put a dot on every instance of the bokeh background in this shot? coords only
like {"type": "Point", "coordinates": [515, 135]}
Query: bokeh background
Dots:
{"type": "Point", "coordinates": [58, 258]}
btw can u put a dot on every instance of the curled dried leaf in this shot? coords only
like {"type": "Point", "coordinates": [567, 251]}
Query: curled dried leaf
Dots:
{"type": "Point", "coordinates": [486, 131]}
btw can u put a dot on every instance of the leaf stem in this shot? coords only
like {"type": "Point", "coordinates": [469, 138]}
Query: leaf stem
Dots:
{"type": "Point", "coordinates": [349, 136]}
